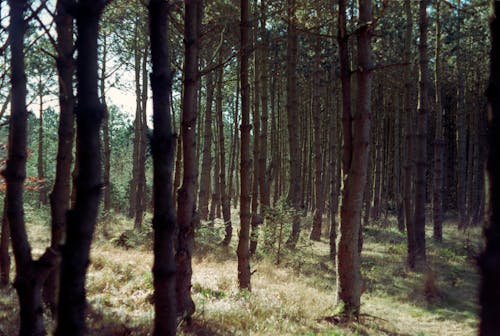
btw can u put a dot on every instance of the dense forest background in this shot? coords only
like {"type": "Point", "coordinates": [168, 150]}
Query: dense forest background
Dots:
{"type": "Point", "coordinates": [296, 159]}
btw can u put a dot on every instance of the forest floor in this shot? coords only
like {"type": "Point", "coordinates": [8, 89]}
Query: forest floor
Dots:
{"type": "Point", "coordinates": [295, 297]}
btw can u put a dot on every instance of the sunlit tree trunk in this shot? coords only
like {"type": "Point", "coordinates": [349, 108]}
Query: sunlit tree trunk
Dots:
{"type": "Point", "coordinates": [349, 263]}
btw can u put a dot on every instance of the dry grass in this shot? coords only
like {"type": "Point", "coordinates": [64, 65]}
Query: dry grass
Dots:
{"type": "Point", "coordinates": [294, 298]}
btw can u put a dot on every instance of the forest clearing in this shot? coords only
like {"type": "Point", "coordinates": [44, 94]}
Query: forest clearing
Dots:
{"type": "Point", "coordinates": [294, 298]}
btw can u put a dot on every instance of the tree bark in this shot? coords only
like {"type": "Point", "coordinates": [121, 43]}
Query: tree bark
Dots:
{"type": "Point", "coordinates": [244, 235]}
{"type": "Point", "coordinates": [294, 182]}
{"type": "Point", "coordinates": [42, 199]}
{"type": "Point", "coordinates": [421, 154]}
{"type": "Point", "coordinates": [105, 128]}
{"type": "Point", "coordinates": [439, 140]}
{"type": "Point", "coordinates": [185, 195]}
{"type": "Point", "coordinates": [59, 198]}
{"type": "Point", "coordinates": [83, 216]}
{"type": "Point", "coordinates": [206, 164]}
{"type": "Point", "coordinates": [163, 147]}
{"type": "Point", "coordinates": [4, 248]}
{"type": "Point", "coordinates": [489, 260]}
{"type": "Point", "coordinates": [30, 274]}
{"type": "Point", "coordinates": [349, 263]}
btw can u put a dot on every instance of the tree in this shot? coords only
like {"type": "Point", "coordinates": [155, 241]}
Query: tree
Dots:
{"type": "Point", "coordinates": [489, 260]}
{"type": "Point", "coordinates": [348, 265]}
{"type": "Point", "coordinates": [82, 217]}
{"type": "Point", "coordinates": [60, 195]}
{"type": "Point", "coordinates": [421, 144]}
{"type": "Point", "coordinates": [185, 197]}
{"type": "Point", "coordinates": [244, 235]}
{"type": "Point", "coordinates": [30, 273]}
{"type": "Point", "coordinates": [163, 145]}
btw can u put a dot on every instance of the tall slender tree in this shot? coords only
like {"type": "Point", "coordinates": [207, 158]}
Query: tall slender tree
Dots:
{"type": "Point", "coordinates": [163, 147]}
{"type": "Point", "coordinates": [349, 263]}
{"type": "Point", "coordinates": [244, 235]}
{"type": "Point", "coordinates": [185, 197]}
{"type": "Point", "coordinates": [82, 217]}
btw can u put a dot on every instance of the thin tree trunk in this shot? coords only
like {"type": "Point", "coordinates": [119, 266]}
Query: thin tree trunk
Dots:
{"type": "Point", "coordinates": [489, 260]}
{"type": "Point", "coordinates": [60, 195]}
{"type": "Point", "coordinates": [421, 154]}
{"type": "Point", "coordinates": [294, 181]}
{"type": "Point", "coordinates": [30, 274]}
{"type": "Point", "coordinates": [318, 162]}
{"type": "Point", "coordinates": [244, 235]}
{"type": "Point", "coordinates": [83, 216]}
{"type": "Point", "coordinates": [439, 141]}
{"type": "Point", "coordinates": [105, 129]}
{"type": "Point", "coordinates": [41, 171]}
{"type": "Point", "coordinates": [349, 263]}
{"type": "Point", "coordinates": [163, 148]}
{"type": "Point", "coordinates": [234, 148]}
{"type": "Point", "coordinates": [206, 165]}
{"type": "Point", "coordinates": [185, 195]}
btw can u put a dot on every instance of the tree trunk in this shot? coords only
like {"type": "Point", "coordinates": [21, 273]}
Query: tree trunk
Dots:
{"type": "Point", "coordinates": [105, 128]}
{"type": "Point", "coordinates": [421, 154]}
{"type": "Point", "coordinates": [294, 181]}
{"type": "Point", "coordinates": [489, 260]}
{"type": "Point", "coordinates": [349, 263]}
{"type": "Point", "coordinates": [83, 216]}
{"type": "Point", "coordinates": [206, 164]}
{"type": "Point", "coordinates": [185, 195]}
{"type": "Point", "coordinates": [234, 148]}
{"type": "Point", "coordinates": [226, 207]}
{"type": "Point", "coordinates": [59, 198]}
{"type": "Point", "coordinates": [244, 239]}
{"type": "Point", "coordinates": [163, 148]}
{"type": "Point", "coordinates": [42, 198]}
{"type": "Point", "coordinates": [318, 162]}
{"type": "Point", "coordinates": [439, 141]}
{"type": "Point", "coordinates": [30, 274]}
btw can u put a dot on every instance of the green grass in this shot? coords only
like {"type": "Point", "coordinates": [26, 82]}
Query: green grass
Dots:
{"type": "Point", "coordinates": [293, 298]}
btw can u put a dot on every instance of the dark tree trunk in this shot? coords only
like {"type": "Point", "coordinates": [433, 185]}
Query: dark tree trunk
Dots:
{"type": "Point", "coordinates": [226, 207]}
{"type": "Point", "coordinates": [349, 260]}
{"type": "Point", "coordinates": [59, 198]}
{"type": "Point", "coordinates": [421, 153]}
{"type": "Point", "coordinates": [105, 128]}
{"type": "Point", "coordinates": [185, 198]}
{"type": "Point", "coordinates": [244, 235]}
{"type": "Point", "coordinates": [163, 146]}
{"type": "Point", "coordinates": [318, 162]}
{"type": "Point", "coordinates": [206, 164]}
{"type": "Point", "coordinates": [294, 185]}
{"type": "Point", "coordinates": [30, 274]}
{"type": "Point", "coordinates": [42, 199]}
{"type": "Point", "coordinates": [489, 261]}
{"type": "Point", "coordinates": [83, 216]}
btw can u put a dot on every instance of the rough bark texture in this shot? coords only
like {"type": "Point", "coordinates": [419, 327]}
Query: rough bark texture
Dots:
{"type": "Point", "coordinates": [294, 185]}
{"type": "Point", "coordinates": [185, 198]}
{"type": "Point", "coordinates": [82, 217]}
{"type": "Point", "coordinates": [163, 146]}
{"type": "Point", "coordinates": [349, 261]}
{"type": "Point", "coordinates": [421, 153]}
{"type": "Point", "coordinates": [489, 261]}
{"type": "Point", "coordinates": [105, 128]}
{"type": "Point", "coordinates": [244, 235]}
{"type": "Point", "coordinates": [60, 195]}
{"type": "Point", "coordinates": [30, 274]}
{"type": "Point", "coordinates": [206, 163]}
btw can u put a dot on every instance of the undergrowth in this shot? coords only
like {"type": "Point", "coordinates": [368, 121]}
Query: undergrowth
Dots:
{"type": "Point", "coordinates": [293, 291]}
